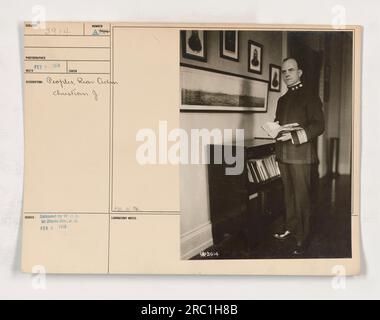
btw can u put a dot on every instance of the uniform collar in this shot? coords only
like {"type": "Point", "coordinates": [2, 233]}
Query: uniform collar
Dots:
{"type": "Point", "coordinates": [296, 86]}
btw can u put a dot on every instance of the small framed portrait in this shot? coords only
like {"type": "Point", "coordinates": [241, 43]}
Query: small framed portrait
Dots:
{"type": "Point", "coordinates": [274, 78]}
{"type": "Point", "coordinates": [229, 45]}
{"type": "Point", "coordinates": [255, 57]}
{"type": "Point", "coordinates": [194, 44]}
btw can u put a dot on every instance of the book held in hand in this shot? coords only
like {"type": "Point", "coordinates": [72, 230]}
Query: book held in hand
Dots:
{"type": "Point", "coordinates": [273, 128]}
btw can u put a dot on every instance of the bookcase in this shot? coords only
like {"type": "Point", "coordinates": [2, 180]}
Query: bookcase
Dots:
{"type": "Point", "coordinates": [244, 206]}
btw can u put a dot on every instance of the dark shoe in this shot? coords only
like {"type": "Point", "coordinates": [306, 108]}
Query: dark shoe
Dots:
{"type": "Point", "coordinates": [282, 235]}
{"type": "Point", "coordinates": [299, 250]}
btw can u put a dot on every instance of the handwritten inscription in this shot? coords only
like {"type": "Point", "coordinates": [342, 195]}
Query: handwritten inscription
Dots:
{"type": "Point", "coordinates": [80, 86]}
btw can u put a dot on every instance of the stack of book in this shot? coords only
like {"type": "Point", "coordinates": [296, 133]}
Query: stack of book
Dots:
{"type": "Point", "coordinates": [260, 170]}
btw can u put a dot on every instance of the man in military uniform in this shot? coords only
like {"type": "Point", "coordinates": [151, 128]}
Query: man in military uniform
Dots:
{"type": "Point", "coordinates": [296, 152]}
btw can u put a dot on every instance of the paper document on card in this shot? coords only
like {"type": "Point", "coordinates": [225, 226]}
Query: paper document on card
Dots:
{"type": "Point", "coordinates": [144, 151]}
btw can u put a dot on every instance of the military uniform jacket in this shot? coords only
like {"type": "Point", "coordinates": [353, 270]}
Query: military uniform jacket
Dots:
{"type": "Point", "coordinates": [300, 106]}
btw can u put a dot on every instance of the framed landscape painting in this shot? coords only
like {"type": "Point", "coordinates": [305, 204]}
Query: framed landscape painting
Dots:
{"type": "Point", "coordinates": [210, 90]}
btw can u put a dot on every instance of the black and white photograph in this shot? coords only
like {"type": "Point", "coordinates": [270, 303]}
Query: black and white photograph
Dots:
{"type": "Point", "coordinates": [229, 45]}
{"type": "Point", "coordinates": [292, 197]}
{"type": "Point", "coordinates": [255, 57]}
{"type": "Point", "coordinates": [194, 44]}
{"type": "Point", "coordinates": [275, 78]}
{"type": "Point", "coordinates": [206, 89]}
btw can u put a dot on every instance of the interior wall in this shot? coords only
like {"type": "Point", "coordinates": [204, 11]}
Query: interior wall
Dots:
{"type": "Point", "coordinates": [345, 129]}
{"type": "Point", "coordinates": [194, 185]}
{"type": "Point", "coordinates": [339, 105]}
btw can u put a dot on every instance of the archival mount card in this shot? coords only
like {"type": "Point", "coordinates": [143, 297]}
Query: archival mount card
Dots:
{"type": "Point", "coordinates": [145, 153]}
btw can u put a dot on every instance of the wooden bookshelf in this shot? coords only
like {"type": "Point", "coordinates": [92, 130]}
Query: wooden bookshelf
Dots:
{"type": "Point", "coordinates": [238, 207]}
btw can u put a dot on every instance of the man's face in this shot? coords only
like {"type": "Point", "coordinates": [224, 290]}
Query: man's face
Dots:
{"type": "Point", "coordinates": [290, 72]}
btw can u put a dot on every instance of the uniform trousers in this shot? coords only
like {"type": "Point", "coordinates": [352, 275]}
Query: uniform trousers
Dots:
{"type": "Point", "coordinates": [299, 182]}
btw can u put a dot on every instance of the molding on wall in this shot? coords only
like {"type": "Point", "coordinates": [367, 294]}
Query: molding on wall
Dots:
{"type": "Point", "coordinates": [344, 169]}
{"type": "Point", "coordinates": [196, 240]}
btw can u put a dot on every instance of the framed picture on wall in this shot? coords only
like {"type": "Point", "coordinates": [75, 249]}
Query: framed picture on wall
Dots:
{"type": "Point", "coordinates": [229, 45]}
{"type": "Point", "coordinates": [274, 78]}
{"type": "Point", "coordinates": [255, 57]}
{"type": "Point", "coordinates": [194, 44]}
{"type": "Point", "coordinates": [203, 89]}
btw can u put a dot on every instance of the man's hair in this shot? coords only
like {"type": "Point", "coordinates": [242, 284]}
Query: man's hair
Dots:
{"type": "Point", "coordinates": [291, 58]}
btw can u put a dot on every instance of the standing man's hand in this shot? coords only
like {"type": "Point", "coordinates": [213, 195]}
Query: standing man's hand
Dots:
{"type": "Point", "coordinates": [285, 137]}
